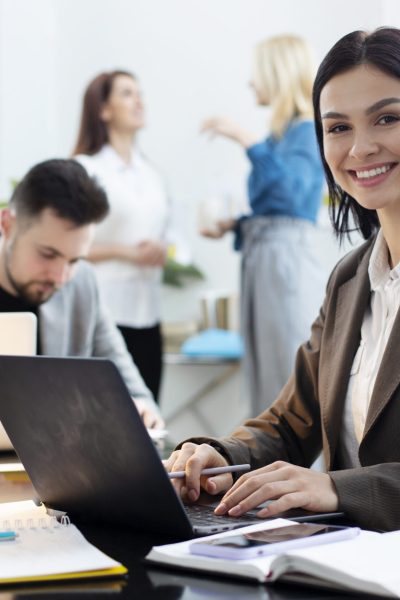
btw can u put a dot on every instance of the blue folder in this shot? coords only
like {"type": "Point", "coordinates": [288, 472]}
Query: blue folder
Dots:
{"type": "Point", "coordinates": [214, 342]}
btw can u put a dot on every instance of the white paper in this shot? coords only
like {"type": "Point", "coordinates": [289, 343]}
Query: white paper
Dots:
{"type": "Point", "coordinates": [43, 547]}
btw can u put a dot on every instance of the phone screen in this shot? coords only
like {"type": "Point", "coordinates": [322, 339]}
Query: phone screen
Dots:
{"type": "Point", "coordinates": [273, 536]}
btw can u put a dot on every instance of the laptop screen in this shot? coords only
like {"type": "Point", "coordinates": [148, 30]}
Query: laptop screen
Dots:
{"type": "Point", "coordinates": [17, 337]}
{"type": "Point", "coordinates": [18, 333]}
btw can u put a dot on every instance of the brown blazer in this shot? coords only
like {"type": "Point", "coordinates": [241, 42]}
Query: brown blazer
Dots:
{"type": "Point", "coordinates": [307, 414]}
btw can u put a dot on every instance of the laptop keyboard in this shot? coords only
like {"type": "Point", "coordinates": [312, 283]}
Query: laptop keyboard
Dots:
{"type": "Point", "coordinates": [204, 515]}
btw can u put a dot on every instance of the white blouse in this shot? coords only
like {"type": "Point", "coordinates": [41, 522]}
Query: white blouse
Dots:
{"type": "Point", "coordinates": [375, 331]}
{"type": "Point", "coordinates": [139, 210]}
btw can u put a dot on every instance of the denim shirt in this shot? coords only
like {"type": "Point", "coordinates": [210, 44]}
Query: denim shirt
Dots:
{"type": "Point", "coordinates": [286, 177]}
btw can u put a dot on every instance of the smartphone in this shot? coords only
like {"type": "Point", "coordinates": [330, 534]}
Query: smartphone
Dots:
{"type": "Point", "coordinates": [273, 541]}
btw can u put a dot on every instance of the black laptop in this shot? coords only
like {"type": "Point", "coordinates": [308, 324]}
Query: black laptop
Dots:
{"type": "Point", "coordinates": [84, 446]}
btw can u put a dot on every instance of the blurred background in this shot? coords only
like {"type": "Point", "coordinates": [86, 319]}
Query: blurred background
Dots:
{"type": "Point", "coordinates": [193, 59]}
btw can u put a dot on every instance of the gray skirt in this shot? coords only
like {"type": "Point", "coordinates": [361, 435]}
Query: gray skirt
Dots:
{"type": "Point", "coordinates": [282, 290]}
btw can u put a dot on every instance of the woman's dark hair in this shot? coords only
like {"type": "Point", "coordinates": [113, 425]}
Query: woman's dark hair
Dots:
{"type": "Point", "coordinates": [380, 48]}
{"type": "Point", "coordinates": [93, 131]}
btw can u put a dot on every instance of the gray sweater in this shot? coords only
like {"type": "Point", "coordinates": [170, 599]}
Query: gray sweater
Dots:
{"type": "Point", "coordinates": [74, 322]}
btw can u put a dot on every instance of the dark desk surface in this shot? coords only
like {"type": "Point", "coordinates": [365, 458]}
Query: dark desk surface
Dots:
{"type": "Point", "coordinates": [144, 582]}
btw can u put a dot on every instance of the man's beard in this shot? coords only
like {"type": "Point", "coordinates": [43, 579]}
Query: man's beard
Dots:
{"type": "Point", "coordinates": [24, 290]}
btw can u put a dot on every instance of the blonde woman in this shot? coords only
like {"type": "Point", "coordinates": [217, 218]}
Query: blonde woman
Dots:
{"type": "Point", "coordinates": [282, 281]}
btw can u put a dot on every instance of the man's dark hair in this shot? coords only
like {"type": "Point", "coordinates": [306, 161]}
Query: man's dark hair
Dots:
{"type": "Point", "coordinates": [63, 186]}
{"type": "Point", "coordinates": [380, 49]}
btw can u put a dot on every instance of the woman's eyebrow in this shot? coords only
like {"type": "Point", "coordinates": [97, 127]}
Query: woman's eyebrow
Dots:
{"type": "Point", "coordinates": [371, 109]}
{"type": "Point", "coordinates": [334, 115]}
{"type": "Point", "coordinates": [381, 104]}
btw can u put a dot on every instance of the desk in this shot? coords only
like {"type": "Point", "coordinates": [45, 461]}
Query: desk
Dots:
{"type": "Point", "coordinates": [196, 393]}
{"type": "Point", "coordinates": [145, 582]}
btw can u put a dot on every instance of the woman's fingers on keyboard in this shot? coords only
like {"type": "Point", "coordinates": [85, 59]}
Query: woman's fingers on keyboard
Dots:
{"type": "Point", "coordinates": [193, 458]}
{"type": "Point", "coordinates": [216, 484]}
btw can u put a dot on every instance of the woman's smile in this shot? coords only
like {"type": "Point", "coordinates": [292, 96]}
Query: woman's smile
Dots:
{"type": "Point", "coordinates": [371, 175]}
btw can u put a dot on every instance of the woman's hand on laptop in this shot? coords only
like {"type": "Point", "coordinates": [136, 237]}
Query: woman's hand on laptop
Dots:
{"type": "Point", "coordinates": [193, 458]}
{"type": "Point", "coordinates": [151, 416]}
{"type": "Point", "coordinates": [289, 486]}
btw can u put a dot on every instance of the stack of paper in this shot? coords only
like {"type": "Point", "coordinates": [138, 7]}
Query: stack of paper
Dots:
{"type": "Point", "coordinates": [44, 550]}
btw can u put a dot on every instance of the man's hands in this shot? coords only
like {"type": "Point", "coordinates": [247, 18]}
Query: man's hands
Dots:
{"type": "Point", "coordinates": [192, 459]}
{"type": "Point", "coordinates": [289, 486]}
{"type": "Point", "coordinates": [151, 417]}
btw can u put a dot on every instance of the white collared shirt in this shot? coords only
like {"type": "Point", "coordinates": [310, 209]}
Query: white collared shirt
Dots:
{"type": "Point", "coordinates": [375, 331]}
{"type": "Point", "coordinates": [139, 210]}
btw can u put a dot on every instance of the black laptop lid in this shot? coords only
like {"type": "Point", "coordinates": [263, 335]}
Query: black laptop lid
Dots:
{"type": "Point", "coordinates": [83, 444]}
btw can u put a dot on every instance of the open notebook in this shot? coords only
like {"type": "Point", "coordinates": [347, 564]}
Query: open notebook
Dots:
{"type": "Point", "coordinates": [18, 333]}
{"type": "Point", "coordinates": [46, 550]}
{"type": "Point", "coordinates": [367, 564]}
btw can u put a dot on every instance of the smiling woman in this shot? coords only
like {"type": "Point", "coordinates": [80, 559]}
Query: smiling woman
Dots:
{"type": "Point", "coordinates": [344, 393]}
{"type": "Point", "coordinates": [361, 136]}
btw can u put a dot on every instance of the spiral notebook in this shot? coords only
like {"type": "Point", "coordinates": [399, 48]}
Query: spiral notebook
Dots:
{"type": "Point", "coordinates": [45, 549]}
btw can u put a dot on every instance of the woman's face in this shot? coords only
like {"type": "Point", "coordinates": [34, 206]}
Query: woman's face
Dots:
{"type": "Point", "coordinates": [124, 109]}
{"type": "Point", "coordinates": [259, 89]}
{"type": "Point", "coordinates": [360, 112]}
{"type": "Point", "coordinates": [260, 94]}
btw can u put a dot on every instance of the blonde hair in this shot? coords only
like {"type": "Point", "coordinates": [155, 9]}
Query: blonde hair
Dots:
{"type": "Point", "coordinates": [284, 71]}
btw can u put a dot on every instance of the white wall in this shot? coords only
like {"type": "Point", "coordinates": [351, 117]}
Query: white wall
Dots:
{"type": "Point", "coordinates": [193, 59]}
{"type": "Point", "coordinates": [28, 124]}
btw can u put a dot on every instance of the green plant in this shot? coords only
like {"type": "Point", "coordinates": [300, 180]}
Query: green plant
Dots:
{"type": "Point", "coordinates": [13, 183]}
{"type": "Point", "coordinates": [175, 273]}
